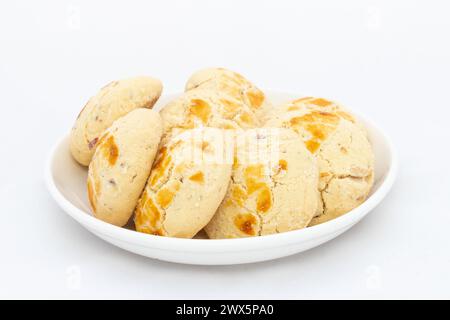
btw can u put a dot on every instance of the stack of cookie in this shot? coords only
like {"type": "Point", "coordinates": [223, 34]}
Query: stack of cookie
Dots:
{"type": "Point", "coordinates": [219, 157]}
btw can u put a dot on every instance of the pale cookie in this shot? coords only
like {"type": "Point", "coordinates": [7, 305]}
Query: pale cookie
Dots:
{"type": "Point", "coordinates": [233, 84]}
{"type": "Point", "coordinates": [268, 197]}
{"type": "Point", "coordinates": [341, 146]}
{"type": "Point", "coordinates": [183, 192]}
{"type": "Point", "coordinates": [206, 108]}
{"type": "Point", "coordinates": [112, 102]}
{"type": "Point", "coordinates": [121, 165]}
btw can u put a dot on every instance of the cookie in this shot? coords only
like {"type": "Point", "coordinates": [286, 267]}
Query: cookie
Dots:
{"type": "Point", "coordinates": [121, 165]}
{"type": "Point", "coordinates": [272, 194]}
{"type": "Point", "coordinates": [183, 192]}
{"type": "Point", "coordinates": [340, 144]}
{"type": "Point", "coordinates": [112, 102]}
{"type": "Point", "coordinates": [232, 84]}
{"type": "Point", "coordinates": [206, 108]}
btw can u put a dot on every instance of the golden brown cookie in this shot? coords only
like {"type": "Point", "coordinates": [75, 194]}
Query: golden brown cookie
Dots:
{"type": "Point", "coordinates": [112, 102]}
{"type": "Point", "coordinates": [121, 165]}
{"type": "Point", "coordinates": [269, 195]}
{"type": "Point", "coordinates": [232, 84]}
{"type": "Point", "coordinates": [206, 108]}
{"type": "Point", "coordinates": [340, 144]}
{"type": "Point", "coordinates": [183, 191]}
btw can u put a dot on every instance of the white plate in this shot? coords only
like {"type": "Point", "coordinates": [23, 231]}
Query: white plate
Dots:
{"type": "Point", "coordinates": [66, 181]}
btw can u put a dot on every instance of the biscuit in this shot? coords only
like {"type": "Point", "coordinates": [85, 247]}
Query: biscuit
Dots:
{"type": "Point", "coordinates": [206, 108]}
{"type": "Point", "coordinates": [233, 84]}
{"type": "Point", "coordinates": [268, 197]}
{"type": "Point", "coordinates": [112, 102]}
{"type": "Point", "coordinates": [182, 193]}
{"type": "Point", "coordinates": [121, 165]}
{"type": "Point", "coordinates": [340, 144]}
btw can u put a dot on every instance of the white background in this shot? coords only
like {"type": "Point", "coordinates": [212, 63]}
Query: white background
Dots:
{"type": "Point", "coordinates": [389, 60]}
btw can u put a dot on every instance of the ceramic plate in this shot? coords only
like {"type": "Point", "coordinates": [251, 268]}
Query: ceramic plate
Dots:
{"type": "Point", "coordinates": [66, 181]}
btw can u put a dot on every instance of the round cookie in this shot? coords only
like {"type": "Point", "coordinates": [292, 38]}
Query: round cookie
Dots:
{"type": "Point", "coordinates": [341, 146]}
{"type": "Point", "coordinates": [206, 108]}
{"type": "Point", "coordinates": [233, 84]}
{"type": "Point", "coordinates": [121, 165]}
{"type": "Point", "coordinates": [183, 192]}
{"type": "Point", "coordinates": [275, 194]}
{"type": "Point", "coordinates": [112, 102]}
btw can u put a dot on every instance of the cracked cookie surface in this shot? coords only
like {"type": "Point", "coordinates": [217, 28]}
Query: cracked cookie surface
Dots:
{"type": "Point", "coordinates": [121, 164]}
{"type": "Point", "coordinates": [269, 196]}
{"type": "Point", "coordinates": [112, 102]}
{"type": "Point", "coordinates": [340, 144]}
{"type": "Point", "coordinates": [232, 84]}
{"type": "Point", "coordinates": [182, 192]}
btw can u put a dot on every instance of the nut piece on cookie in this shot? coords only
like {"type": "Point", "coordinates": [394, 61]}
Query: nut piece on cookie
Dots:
{"type": "Point", "coordinates": [268, 194]}
{"type": "Point", "coordinates": [121, 165]}
{"type": "Point", "coordinates": [185, 187]}
{"type": "Point", "coordinates": [340, 144]}
{"type": "Point", "coordinates": [232, 84]}
{"type": "Point", "coordinates": [111, 102]}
